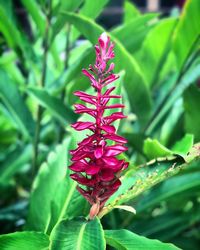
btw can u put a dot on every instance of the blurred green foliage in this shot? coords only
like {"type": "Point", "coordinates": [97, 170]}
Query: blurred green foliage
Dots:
{"type": "Point", "coordinates": [44, 44]}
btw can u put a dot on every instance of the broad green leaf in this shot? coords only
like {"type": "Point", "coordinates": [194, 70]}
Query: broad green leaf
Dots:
{"type": "Point", "coordinates": [54, 105]}
{"type": "Point", "coordinates": [60, 22]}
{"type": "Point", "coordinates": [24, 241]}
{"type": "Point", "coordinates": [136, 181]}
{"type": "Point", "coordinates": [181, 185]}
{"type": "Point", "coordinates": [38, 17]}
{"type": "Point", "coordinates": [189, 18]}
{"type": "Point", "coordinates": [78, 234]}
{"type": "Point", "coordinates": [15, 39]}
{"type": "Point", "coordinates": [14, 162]}
{"type": "Point", "coordinates": [167, 225]}
{"type": "Point", "coordinates": [130, 12]}
{"type": "Point", "coordinates": [90, 9]}
{"type": "Point", "coordinates": [54, 194]}
{"type": "Point", "coordinates": [183, 146]}
{"type": "Point", "coordinates": [16, 105]}
{"type": "Point", "coordinates": [191, 117]}
{"type": "Point", "coordinates": [161, 111]}
{"type": "Point", "coordinates": [73, 71]}
{"type": "Point", "coordinates": [138, 28]}
{"type": "Point", "coordinates": [155, 49]}
{"type": "Point", "coordinates": [126, 240]}
{"type": "Point", "coordinates": [154, 149]}
{"type": "Point", "coordinates": [11, 34]}
{"type": "Point", "coordinates": [124, 60]}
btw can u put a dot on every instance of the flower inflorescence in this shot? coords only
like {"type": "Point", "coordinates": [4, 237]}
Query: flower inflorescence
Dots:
{"type": "Point", "coordinates": [95, 163]}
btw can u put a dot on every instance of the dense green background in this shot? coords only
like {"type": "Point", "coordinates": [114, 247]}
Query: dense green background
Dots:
{"type": "Point", "coordinates": [43, 48]}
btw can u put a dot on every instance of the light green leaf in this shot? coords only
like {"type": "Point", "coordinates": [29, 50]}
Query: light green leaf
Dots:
{"type": "Point", "coordinates": [130, 12]}
{"type": "Point", "coordinates": [16, 105]}
{"type": "Point", "coordinates": [34, 10]}
{"type": "Point", "coordinates": [155, 49]}
{"type": "Point", "coordinates": [124, 60]}
{"type": "Point", "coordinates": [60, 22]}
{"type": "Point", "coordinates": [192, 117]}
{"type": "Point", "coordinates": [14, 162]}
{"type": "Point", "coordinates": [24, 241]}
{"type": "Point", "coordinates": [189, 18]}
{"type": "Point", "coordinates": [126, 240]}
{"type": "Point", "coordinates": [136, 181]}
{"type": "Point", "coordinates": [90, 9]}
{"type": "Point", "coordinates": [54, 105]}
{"type": "Point", "coordinates": [154, 149]}
{"type": "Point", "coordinates": [181, 185]}
{"type": "Point", "coordinates": [78, 234]}
{"type": "Point", "coordinates": [138, 28]}
{"type": "Point", "coordinates": [183, 146]}
{"type": "Point", "coordinates": [54, 194]}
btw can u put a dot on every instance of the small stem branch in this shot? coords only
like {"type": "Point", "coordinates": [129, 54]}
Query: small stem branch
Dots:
{"type": "Point", "coordinates": [42, 83]}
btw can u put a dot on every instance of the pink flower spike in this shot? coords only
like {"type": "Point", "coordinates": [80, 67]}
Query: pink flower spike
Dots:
{"type": "Point", "coordinates": [94, 162]}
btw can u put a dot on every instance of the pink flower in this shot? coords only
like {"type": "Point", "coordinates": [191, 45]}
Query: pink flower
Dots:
{"type": "Point", "coordinates": [94, 162]}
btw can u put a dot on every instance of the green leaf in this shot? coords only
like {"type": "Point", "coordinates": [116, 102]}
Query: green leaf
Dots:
{"type": "Point", "coordinates": [78, 234]}
{"type": "Point", "coordinates": [24, 241]}
{"type": "Point", "coordinates": [16, 105]}
{"type": "Point", "coordinates": [155, 49]}
{"type": "Point", "coordinates": [10, 33]}
{"type": "Point", "coordinates": [154, 149]}
{"type": "Point", "coordinates": [130, 12]}
{"type": "Point", "coordinates": [90, 9]}
{"type": "Point", "coordinates": [54, 193]}
{"type": "Point", "coordinates": [181, 185]}
{"type": "Point", "coordinates": [183, 146]}
{"type": "Point", "coordinates": [138, 28]}
{"type": "Point", "coordinates": [54, 105]}
{"type": "Point", "coordinates": [191, 117]}
{"type": "Point", "coordinates": [189, 18]}
{"type": "Point", "coordinates": [124, 60]}
{"type": "Point", "coordinates": [126, 240]}
{"type": "Point", "coordinates": [60, 22]}
{"type": "Point", "coordinates": [136, 181]}
{"type": "Point", "coordinates": [14, 162]}
{"type": "Point", "coordinates": [34, 10]}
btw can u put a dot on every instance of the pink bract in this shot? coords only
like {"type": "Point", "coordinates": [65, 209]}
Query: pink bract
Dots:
{"type": "Point", "coordinates": [94, 163]}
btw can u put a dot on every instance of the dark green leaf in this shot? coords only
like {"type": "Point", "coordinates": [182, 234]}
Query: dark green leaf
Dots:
{"type": "Point", "coordinates": [54, 105]}
{"type": "Point", "coordinates": [16, 105]}
{"type": "Point", "coordinates": [191, 106]}
{"type": "Point", "coordinates": [78, 234]}
{"type": "Point", "coordinates": [189, 18]}
{"type": "Point", "coordinates": [24, 241]}
{"type": "Point", "coordinates": [126, 240]}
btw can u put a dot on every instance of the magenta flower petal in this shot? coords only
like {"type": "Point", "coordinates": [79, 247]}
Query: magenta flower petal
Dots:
{"type": "Point", "coordinates": [98, 152]}
{"type": "Point", "coordinates": [82, 125]}
{"type": "Point", "coordinates": [78, 166]}
{"type": "Point", "coordinates": [115, 138]}
{"type": "Point", "coordinates": [91, 170]}
{"type": "Point", "coordinates": [107, 175]}
{"type": "Point", "coordinates": [112, 161]}
{"type": "Point", "coordinates": [108, 128]}
{"type": "Point", "coordinates": [115, 150]}
{"type": "Point", "coordinates": [94, 161]}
